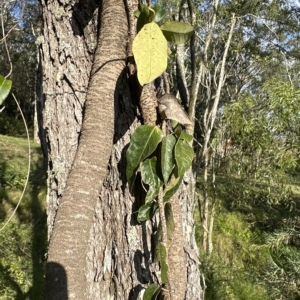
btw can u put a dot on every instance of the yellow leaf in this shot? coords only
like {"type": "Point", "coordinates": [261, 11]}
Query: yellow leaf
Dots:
{"type": "Point", "coordinates": [150, 50]}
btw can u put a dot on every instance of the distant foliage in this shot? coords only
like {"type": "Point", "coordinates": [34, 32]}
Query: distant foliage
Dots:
{"type": "Point", "coordinates": [21, 19]}
{"type": "Point", "coordinates": [13, 263]}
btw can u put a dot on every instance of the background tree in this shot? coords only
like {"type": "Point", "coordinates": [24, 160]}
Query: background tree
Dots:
{"type": "Point", "coordinates": [20, 22]}
{"type": "Point", "coordinates": [260, 79]}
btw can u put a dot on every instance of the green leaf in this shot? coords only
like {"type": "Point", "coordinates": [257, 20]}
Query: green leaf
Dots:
{"type": "Point", "coordinates": [151, 291]}
{"type": "Point", "coordinates": [5, 87]}
{"type": "Point", "coordinates": [146, 212]}
{"type": "Point", "coordinates": [137, 13]}
{"type": "Point", "coordinates": [177, 32]}
{"type": "Point", "coordinates": [150, 177]}
{"type": "Point", "coordinates": [171, 187]}
{"type": "Point", "coordinates": [185, 136]}
{"type": "Point", "coordinates": [159, 13]}
{"type": "Point", "coordinates": [163, 263]}
{"type": "Point", "coordinates": [178, 130]}
{"type": "Point", "coordinates": [143, 143]}
{"type": "Point", "coordinates": [150, 51]}
{"type": "Point", "coordinates": [184, 155]}
{"type": "Point", "coordinates": [146, 15]}
{"type": "Point", "coordinates": [167, 156]}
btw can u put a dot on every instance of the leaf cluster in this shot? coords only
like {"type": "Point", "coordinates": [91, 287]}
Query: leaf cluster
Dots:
{"type": "Point", "coordinates": [150, 46]}
{"type": "Point", "coordinates": [161, 161]}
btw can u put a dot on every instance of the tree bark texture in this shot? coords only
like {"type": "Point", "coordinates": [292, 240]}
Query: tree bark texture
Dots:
{"type": "Point", "coordinates": [66, 64]}
{"type": "Point", "coordinates": [72, 223]}
{"type": "Point", "coordinates": [96, 219]}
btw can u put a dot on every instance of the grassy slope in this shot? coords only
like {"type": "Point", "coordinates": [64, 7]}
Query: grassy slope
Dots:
{"type": "Point", "coordinates": [242, 265]}
{"type": "Point", "coordinates": [23, 241]}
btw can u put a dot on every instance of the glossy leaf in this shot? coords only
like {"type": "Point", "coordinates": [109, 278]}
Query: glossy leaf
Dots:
{"type": "Point", "coordinates": [184, 156]}
{"type": "Point", "coordinates": [151, 291]}
{"type": "Point", "coordinates": [163, 263]}
{"type": "Point", "coordinates": [5, 87]}
{"type": "Point", "coordinates": [146, 15]}
{"type": "Point", "coordinates": [159, 13]}
{"type": "Point", "coordinates": [178, 130]}
{"type": "Point", "coordinates": [185, 136]}
{"type": "Point", "coordinates": [150, 51]}
{"type": "Point", "coordinates": [146, 212]}
{"type": "Point", "coordinates": [143, 143]}
{"type": "Point", "coordinates": [150, 177]}
{"type": "Point", "coordinates": [167, 156]}
{"type": "Point", "coordinates": [171, 187]}
{"type": "Point", "coordinates": [177, 32]}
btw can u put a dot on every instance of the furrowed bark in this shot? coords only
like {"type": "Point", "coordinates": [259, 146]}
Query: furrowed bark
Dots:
{"type": "Point", "coordinates": [68, 243]}
{"type": "Point", "coordinates": [177, 275]}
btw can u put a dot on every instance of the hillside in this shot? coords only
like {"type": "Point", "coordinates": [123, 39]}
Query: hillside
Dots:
{"type": "Point", "coordinates": [23, 240]}
{"type": "Point", "coordinates": [255, 240]}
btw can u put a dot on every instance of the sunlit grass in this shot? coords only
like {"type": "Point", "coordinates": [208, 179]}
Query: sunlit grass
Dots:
{"type": "Point", "coordinates": [23, 240]}
{"type": "Point", "coordinates": [247, 214]}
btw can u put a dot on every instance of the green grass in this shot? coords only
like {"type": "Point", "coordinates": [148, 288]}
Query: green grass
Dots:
{"type": "Point", "coordinates": [250, 259]}
{"type": "Point", "coordinates": [23, 240]}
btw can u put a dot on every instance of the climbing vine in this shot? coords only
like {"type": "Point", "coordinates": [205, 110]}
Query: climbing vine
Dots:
{"type": "Point", "coordinates": [161, 161]}
{"type": "Point", "coordinates": [160, 156]}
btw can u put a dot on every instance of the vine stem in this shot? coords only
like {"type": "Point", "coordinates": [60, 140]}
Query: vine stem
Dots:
{"type": "Point", "coordinates": [28, 169]}
{"type": "Point", "coordinates": [166, 292]}
{"type": "Point", "coordinates": [162, 217]}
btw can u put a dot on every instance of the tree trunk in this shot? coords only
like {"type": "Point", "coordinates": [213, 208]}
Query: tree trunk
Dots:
{"type": "Point", "coordinates": [91, 213]}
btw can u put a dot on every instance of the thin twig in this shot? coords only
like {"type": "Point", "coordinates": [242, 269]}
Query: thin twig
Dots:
{"type": "Point", "coordinates": [8, 32]}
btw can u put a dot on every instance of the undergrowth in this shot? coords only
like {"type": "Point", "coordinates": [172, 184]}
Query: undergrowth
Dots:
{"type": "Point", "coordinates": [256, 252]}
{"type": "Point", "coordinates": [23, 240]}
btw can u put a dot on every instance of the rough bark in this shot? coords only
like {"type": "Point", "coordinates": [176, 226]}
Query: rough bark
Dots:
{"type": "Point", "coordinates": [119, 248]}
{"type": "Point", "coordinates": [118, 261]}
{"type": "Point", "coordinates": [148, 103]}
{"type": "Point", "coordinates": [38, 136]}
{"type": "Point", "coordinates": [66, 64]}
{"type": "Point", "coordinates": [176, 257]}
{"type": "Point", "coordinates": [73, 220]}
{"type": "Point", "coordinates": [185, 198]}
